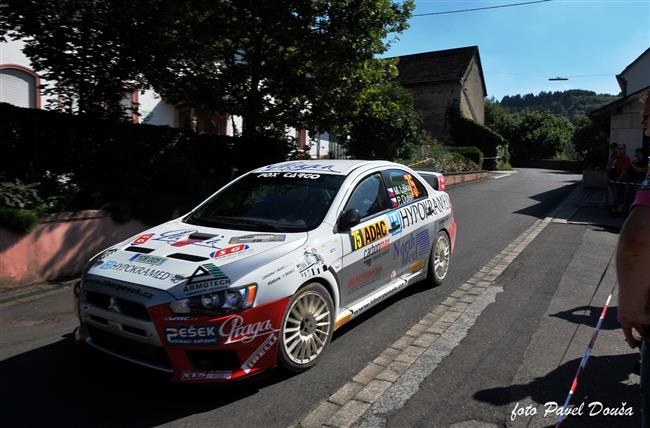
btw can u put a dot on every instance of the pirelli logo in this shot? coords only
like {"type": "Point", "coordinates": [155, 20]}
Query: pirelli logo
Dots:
{"type": "Point", "coordinates": [368, 234]}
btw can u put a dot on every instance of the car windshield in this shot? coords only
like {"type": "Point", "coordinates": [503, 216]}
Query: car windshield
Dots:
{"type": "Point", "coordinates": [270, 201]}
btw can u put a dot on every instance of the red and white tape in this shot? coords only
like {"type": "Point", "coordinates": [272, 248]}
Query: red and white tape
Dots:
{"type": "Point", "coordinates": [585, 358]}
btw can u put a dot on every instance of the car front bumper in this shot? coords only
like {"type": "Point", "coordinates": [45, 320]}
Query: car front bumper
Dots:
{"type": "Point", "coordinates": [192, 348]}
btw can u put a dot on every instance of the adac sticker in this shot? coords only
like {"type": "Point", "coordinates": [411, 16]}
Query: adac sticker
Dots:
{"type": "Point", "coordinates": [369, 234]}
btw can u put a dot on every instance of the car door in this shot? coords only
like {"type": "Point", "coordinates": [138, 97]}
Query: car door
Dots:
{"type": "Point", "coordinates": [409, 199]}
{"type": "Point", "coordinates": [366, 261]}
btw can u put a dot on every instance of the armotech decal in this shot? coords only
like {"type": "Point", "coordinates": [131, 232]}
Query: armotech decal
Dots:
{"type": "Point", "coordinates": [368, 234]}
{"type": "Point", "coordinates": [205, 278]}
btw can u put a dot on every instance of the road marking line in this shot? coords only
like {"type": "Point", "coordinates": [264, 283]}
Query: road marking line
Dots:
{"type": "Point", "coordinates": [367, 398]}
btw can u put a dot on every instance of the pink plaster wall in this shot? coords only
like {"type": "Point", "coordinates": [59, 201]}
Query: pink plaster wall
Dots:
{"type": "Point", "coordinates": [58, 247]}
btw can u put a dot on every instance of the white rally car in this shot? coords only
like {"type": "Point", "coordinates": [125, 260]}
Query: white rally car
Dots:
{"type": "Point", "coordinates": [266, 269]}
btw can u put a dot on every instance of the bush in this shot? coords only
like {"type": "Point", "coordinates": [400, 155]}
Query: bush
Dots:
{"type": "Point", "coordinates": [471, 153]}
{"type": "Point", "coordinates": [466, 132]}
{"type": "Point", "coordinates": [86, 163]}
{"type": "Point", "coordinates": [431, 155]}
{"type": "Point", "coordinates": [18, 220]}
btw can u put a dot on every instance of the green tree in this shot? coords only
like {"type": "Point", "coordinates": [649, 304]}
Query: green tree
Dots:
{"type": "Point", "coordinates": [539, 135]}
{"type": "Point", "coordinates": [590, 142]}
{"type": "Point", "coordinates": [386, 125]}
{"type": "Point", "coordinates": [300, 63]}
{"type": "Point", "coordinates": [88, 47]}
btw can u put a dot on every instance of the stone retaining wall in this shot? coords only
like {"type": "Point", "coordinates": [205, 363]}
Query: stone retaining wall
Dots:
{"type": "Point", "coordinates": [58, 247]}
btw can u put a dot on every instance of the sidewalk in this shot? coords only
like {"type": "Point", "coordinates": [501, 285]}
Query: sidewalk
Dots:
{"type": "Point", "coordinates": [509, 340]}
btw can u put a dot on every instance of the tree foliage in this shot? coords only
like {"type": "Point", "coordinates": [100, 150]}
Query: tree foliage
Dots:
{"type": "Point", "coordinates": [88, 47]}
{"type": "Point", "coordinates": [300, 63]}
{"type": "Point", "coordinates": [590, 142]}
{"type": "Point", "coordinates": [538, 135]}
{"type": "Point", "coordinates": [572, 104]}
{"type": "Point", "coordinates": [386, 125]}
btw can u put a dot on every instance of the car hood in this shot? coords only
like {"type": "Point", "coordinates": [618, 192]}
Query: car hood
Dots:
{"type": "Point", "coordinates": [187, 260]}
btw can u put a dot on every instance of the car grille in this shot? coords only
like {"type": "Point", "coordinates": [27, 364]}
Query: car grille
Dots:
{"type": "Point", "coordinates": [125, 307]}
{"type": "Point", "coordinates": [149, 355]}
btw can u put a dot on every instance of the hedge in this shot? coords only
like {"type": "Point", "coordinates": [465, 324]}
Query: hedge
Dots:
{"type": "Point", "coordinates": [471, 153]}
{"type": "Point", "coordinates": [156, 171]}
{"type": "Point", "coordinates": [466, 132]}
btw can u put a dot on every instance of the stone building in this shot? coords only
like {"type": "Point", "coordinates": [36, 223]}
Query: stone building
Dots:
{"type": "Point", "coordinates": [439, 80]}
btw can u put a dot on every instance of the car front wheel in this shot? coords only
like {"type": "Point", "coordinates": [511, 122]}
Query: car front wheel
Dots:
{"type": "Point", "coordinates": [307, 328]}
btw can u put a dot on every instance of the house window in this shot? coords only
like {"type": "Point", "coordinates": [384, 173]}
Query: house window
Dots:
{"type": "Point", "coordinates": [19, 86]}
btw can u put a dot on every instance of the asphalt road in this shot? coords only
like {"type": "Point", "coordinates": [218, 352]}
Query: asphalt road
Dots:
{"type": "Point", "coordinates": [46, 381]}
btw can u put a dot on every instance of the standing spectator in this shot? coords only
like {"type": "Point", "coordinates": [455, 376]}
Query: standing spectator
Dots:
{"type": "Point", "coordinates": [612, 160]}
{"type": "Point", "coordinates": [639, 167]}
{"type": "Point", "coordinates": [632, 259]}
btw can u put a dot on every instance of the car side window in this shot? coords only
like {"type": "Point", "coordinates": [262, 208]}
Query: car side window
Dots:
{"type": "Point", "coordinates": [369, 197]}
{"type": "Point", "coordinates": [403, 187]}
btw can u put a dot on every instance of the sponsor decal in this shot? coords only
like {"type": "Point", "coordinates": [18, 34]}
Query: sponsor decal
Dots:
{"type": "Point", "coordinates": [142, 239]}
{"type": "Point", "coordinates": [148, 260]}
{"type": "Point", "coordinates": [228, 251]}
{"type": "Point", "coordinates": [311, 264]}
{"type": "Point", "coordinates": [234, 330]}
{"type": "Point", "coordinates": [364, 278]}
{"type": "Point", "coordinates": [136, 270]}
{"type": "Point", "coordinates": [419, 211]}
{"type": "Point", "coordinates": [121, 287]}
{"type": "Point", "coordinates": [368, 234]}
{"type": "Point", "coordinates": [248, 239]}
{"type": "Point", "coordinates": [278, 275]}
{"type": "Point", "coordinates": [177, 278]}
{"type": "Point", "coordinates": [192, 335]}
{"type": "Point", "coordinates": [259, 353]}
{"type": "Point", "coordinates": [375, 251]}
{"type": "Point", "coordinates": [395, 220]}
{"type": "Point", "coordinates": [301, 166]}
{"type": "Point", "coordinates": [411, 183]}
{"type": "Point", "coordinates": [377, 299]}
{"type": "Point", "coordinates": [413, 247]}
{"type": "Point", "coordinates": [206, 278]}
{"type": "Point", "coordinates": [290, 175]}
{"type": "Point", "coordinates": [179, 318]}
{"type": "Point", "coordinates": [206, 375]}
{"type": "Point", "coordinates": [174, 238]}
{"type": "Point", "coordinates": [416, 265]}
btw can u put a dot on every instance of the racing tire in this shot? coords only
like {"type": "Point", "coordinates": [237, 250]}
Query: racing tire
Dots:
{"type": "Point", "coordinates": [440, 258]}
{"type": "Point", "coordinates": [307, 327]}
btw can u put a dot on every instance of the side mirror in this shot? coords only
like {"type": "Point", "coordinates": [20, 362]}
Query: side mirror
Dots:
{"type": "Point", "coordinates": [349, 218]}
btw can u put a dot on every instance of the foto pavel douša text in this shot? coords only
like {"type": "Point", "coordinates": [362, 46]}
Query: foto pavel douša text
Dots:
{"type": "Point", "coordinates": [552, 409]}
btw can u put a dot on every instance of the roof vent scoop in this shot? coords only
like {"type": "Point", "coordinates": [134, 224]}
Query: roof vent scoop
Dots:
{"type": "Point", "coordinates": [139, 250]}
{"type": "Point", "coordinates": [188, 257]}
{"type": "Point", "coordinates": [200, 236]}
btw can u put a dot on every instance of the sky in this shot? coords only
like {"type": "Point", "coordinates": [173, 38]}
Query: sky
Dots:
{"type": "Point", "coordinates": [522, 46]}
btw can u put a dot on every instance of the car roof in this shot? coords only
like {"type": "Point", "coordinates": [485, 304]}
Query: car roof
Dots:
{"type": "Point", "coordinates": [324, 166]}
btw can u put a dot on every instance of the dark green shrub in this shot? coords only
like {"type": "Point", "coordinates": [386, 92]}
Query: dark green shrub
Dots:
{"type": "Point", "coordinates": [466, 132]}
{"type": "Point", "coordinates": [471, 153]}
{"type": "Point", "coordinates": [18, 220]}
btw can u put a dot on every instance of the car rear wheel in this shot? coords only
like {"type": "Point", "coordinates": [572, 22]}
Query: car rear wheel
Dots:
{"type": "Point", "coordinates": [440, 258]}
{"type": "Point", "coordinates": [307, 328]}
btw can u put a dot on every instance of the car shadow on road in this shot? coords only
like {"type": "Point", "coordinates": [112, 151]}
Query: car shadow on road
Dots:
{"type": "Point", "coordinates": [62, 384]}
{"type": "Point", "coordinates": [589, 315]}
{"type": "Point", "coordinates": [606, 379]}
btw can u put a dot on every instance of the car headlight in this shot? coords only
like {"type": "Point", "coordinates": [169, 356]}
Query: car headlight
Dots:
{"type": "Point", "coordinates": [216, 303]}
